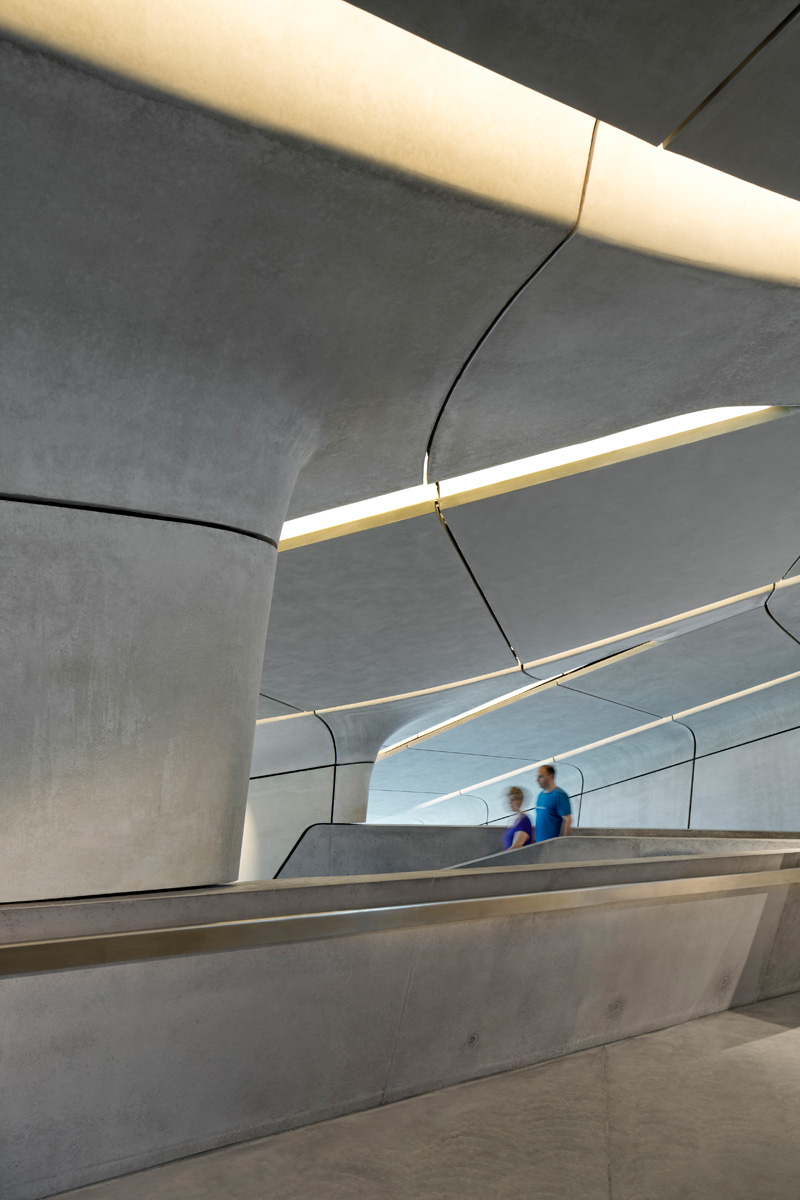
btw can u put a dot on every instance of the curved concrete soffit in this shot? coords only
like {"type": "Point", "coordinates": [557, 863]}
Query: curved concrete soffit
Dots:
{"type": "Point", "coordinates": [323, 70]}
{"type": "Point", "coordinates": [522, 473]}
{"type": "Point", "coordinates": [660, 630]}
{"type": "Point", "coordinates": [674, 718]}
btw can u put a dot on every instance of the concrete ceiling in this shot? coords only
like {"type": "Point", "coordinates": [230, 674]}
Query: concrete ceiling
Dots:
{"type": "Point", "coordinates": [379, 613]}
{"type": "Point", "coordinates": [642, 67]}
{"type": "Point", "coordinates": [722, 659]}
{"type": "Point", "coordinates": [607, 339]}
{"type": "Point", "coordinates": [562, 564]}
{"type": "Point", "coordinates": [584, 557]}
{"type": "Point", "coordinates": [752, 127]}
{"type": "Point", "coordinates": [229, 308]}
{"type": "Point", "coordinates": [305, 308]}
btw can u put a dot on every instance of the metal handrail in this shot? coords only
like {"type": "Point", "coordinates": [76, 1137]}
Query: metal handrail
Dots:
{"type": "Point", "coordinates": [23, 958]}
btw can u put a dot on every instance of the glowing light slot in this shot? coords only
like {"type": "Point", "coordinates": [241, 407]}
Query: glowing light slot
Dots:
{"type": "Point", "coordinates": [587, 455]}
{"type": "Point", "coordinates": [363, 514]}
{"type": "Point", "coordinates": [522, 473]}
{"type": "Point", "coordinates": [617, 737]}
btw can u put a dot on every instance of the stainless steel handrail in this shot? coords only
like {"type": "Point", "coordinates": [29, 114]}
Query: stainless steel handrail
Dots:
{"type": "Point", "coordinates": [23, 958]}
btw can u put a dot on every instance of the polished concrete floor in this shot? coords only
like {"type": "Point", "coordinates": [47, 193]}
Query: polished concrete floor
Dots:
{"type": "Point", "coordinates": [710, 1109]}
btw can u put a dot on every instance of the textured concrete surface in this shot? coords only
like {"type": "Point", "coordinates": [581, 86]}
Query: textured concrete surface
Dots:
{"type": "Point", "coordinates": [637, 520]}
{"type": "Point", "coordinates": [351, 791]}
{"type": "Point", "coordinates": [724, 783]}
{"type": "Point", "coordinates": [537, 1132]}
{"type": "Point", "coordinates": [644, 779]}
{"type": "Point", "coordinates": [577, 849]}
{"type": "Point", "coordinates": [586, 324]}
{"type": "Point", "coordinates": [328, 302]}
{"type": "Point", "coordinates": [400, 635]}
{"type": "Point", "coordinates": [175, 1056]}
{"type": "Point", "coordinates": [291, 746]}
{"type": "Point", "coordinates": [35, 921]}
{"type": "Point", "coordinates": [297, 777]}
{"type": "Point", "coordinates": [371, 849]}
{"type": "Point", "coordinates": [130, 653]}
{"type": "Point", "coordinates": [716, 660]}
{"type": "Point", "coordinates": [661, 796]}
{"type": "Point", "coordinates": [706, 1109]}
{"type": "Point", "coordinates": [750, 129]}
{"type": "Point", "coordinates": [262, 311]}
{"type": "Point", "coordinates": [643, 69]}
{"type": "Point", "coordinates": [279, 808]}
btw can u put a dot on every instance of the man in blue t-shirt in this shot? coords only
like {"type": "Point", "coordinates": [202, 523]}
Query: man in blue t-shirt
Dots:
{"type": "Point", "coordinates": [553, 809]}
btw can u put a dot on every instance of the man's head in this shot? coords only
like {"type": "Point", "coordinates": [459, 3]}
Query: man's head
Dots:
{"type": "Point", "coordinates": [515, 798]}
{"type": "Point", "coordinates": [546, 777]}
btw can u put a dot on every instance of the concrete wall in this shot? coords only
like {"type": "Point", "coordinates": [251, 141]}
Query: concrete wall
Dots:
{"type": "Point", "coordinates": [274, 898]}
{"type": "Point", "coordinates": [175, 1056]}
{"type": "Point", "coordinates": [331, 850]}
{"type": "Point", "coordinates": [296, 782]}
{"type": "Point", "coordinates": [753, 785]}
{"type": "Point", "coordinates": [372, 849]}
{"type": "Point", "coordinates": [756, 781]}
{"type": "Point", "coordinates": [130, 650]}
{"type": "Point", "coordinates": [575, 849]}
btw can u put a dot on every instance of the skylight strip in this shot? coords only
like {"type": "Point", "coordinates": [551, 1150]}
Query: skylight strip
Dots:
{"type": "Point", "coordinates": [521, 473]}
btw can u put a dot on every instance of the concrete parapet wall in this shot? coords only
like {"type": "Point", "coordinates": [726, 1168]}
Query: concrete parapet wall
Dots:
{"type": "Point", "coordinates": [246, 901]}
{"type": "Point", "coordinates": [370, 849]}
{"type": "Point", "coordinates": [333, 850]}
{"type": "Point", "coordinates": [577, 848]}
{"type": "Point", "coordinates": [173, 1056]}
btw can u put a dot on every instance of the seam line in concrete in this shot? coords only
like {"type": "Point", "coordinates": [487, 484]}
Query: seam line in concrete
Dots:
{"type": "Point", "coordinates": [511, 300]}
{"type": "Point", "coordinates": [114, 511]}
{"type": "Point", "coordinates": [402, 1012]}
{"type": "Point", "coordinates": [593, 695]}
{"type": "Point", "coordinates": [609, 1181]}
{"type": "Point", "coordinates": [729, 78]}
{"type": "Point", "coordinates": [360, 762]}
{"type": "Point", "coordinates": [478, 587]}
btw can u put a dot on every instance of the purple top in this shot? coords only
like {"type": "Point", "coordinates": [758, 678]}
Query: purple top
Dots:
{"type": "Point", "coordinates": [522, 824]}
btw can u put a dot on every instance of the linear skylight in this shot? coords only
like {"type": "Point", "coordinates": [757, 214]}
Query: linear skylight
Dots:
{"type": "Point", "coordinates": [520, 473]}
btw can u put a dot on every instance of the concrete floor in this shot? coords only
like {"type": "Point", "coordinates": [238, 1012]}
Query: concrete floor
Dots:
{"type": "Point", "coordinates": [709, 1109]}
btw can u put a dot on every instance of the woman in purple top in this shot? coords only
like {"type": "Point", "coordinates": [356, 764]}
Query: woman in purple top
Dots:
{"type": "Point", "coordinates": [520, 831]}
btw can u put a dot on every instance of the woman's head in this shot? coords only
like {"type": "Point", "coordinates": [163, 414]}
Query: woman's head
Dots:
{"type": "Point", "coordinates": [515, 798]}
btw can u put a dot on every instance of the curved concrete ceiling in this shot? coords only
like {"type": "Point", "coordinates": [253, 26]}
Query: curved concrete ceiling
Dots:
{"type": "Point", "coordinates": [338, 326]}
{"type": "Point", "coordinates": [641, 67]}
{"type": "Point", "coordinates": [174, 280]}
{"type": "Point", "coordinates": [750, 128]}
{"type": "Point", "coordinates": [637, 541]}
{"type": "Point", "coordinates": [272, 264]}
{"type": "Point", "coordinates": [375, 614]}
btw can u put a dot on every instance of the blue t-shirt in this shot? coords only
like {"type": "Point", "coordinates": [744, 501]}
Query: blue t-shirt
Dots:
{"type": "Point", "coordinates": [551, 808]}
{"type": "Point", "coordinates": [521, 825]}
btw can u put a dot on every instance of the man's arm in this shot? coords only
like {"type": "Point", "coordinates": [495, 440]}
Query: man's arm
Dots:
{"type": "Point", "coordinates": [566, 825]}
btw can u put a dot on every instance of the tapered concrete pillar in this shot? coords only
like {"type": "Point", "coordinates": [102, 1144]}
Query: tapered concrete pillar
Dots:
{"type": "Point", "coordinates": [146, 461]}
{"type": "Point", "coordinates": [131, 651]}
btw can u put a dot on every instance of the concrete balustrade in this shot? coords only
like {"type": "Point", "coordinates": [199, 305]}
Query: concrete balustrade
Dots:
{"type": "Point", "coordinates": [170, 1056]}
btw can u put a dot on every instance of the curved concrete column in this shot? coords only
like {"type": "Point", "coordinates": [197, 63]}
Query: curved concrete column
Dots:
{"type": "Point", "coordinates": [130, 650]}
